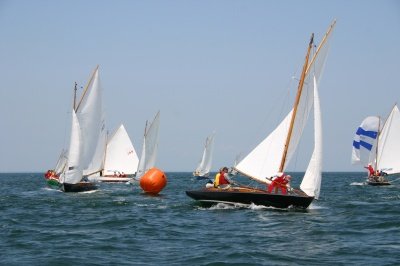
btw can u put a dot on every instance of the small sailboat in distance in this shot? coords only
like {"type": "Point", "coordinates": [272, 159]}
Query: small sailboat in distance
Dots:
{"type": "Point", "coordinates": [378, 147]}
{"type": "Point", "coordinates": [273, 154]}
{"type": "Point", "coordinates": [204, 167]}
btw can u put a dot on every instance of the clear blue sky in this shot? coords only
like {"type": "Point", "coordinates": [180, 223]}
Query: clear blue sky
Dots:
{"type": "Point", "coordinates": [207, 65]}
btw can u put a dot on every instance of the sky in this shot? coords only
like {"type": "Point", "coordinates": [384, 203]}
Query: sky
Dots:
{"type": "Point", "coordinates": [223, 66]}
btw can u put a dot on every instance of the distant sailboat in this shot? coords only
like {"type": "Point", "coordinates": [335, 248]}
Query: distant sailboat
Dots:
{"type": "Point", "coordinates": [204, 167]}
{"type": "Point", "coordinates": [150, 147]}
{"type": "Point", "coordinates": [88, 137]}
{"type": "Point", "coordinates": [273, 154]}
{"type": "Point", "coordinates": [121, 160]}
{"type": "Point", "coordinates": [379, 147]}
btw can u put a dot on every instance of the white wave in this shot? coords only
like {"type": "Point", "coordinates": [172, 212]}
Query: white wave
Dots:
{"type": "Point", "coordinates": [357, 184]}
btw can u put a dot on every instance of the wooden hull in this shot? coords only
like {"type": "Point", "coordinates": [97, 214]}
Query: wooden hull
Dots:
{"type": "Point", "coordinates": [211, 196]}
{"type": "Point", "coordinates": [79, 187]}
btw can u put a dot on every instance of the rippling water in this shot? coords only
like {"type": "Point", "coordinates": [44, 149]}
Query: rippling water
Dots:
{"type": "Point", "coordinates": [352, 223]}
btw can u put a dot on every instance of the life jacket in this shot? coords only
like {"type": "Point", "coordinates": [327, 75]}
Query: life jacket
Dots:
{"type": "Point", "coordinates": [216, 180]}
{"type": "Point", "coordinates": [222, 180]}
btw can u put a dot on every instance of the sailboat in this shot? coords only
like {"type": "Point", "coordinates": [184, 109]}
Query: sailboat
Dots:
{"type": "Point", "coordinates": [150, 147]}
{"type": "Point", "coordinates": [121, 160]}
{"type": "Point", "coordinates": [87, 140]}
{"type": "Point", "coordinates": [53, 176]}
{"type": "Point", "coordinates": [204, 167]}
{"type": "Point", "coordinates": [379, 147]}
{"type": "Point", "coordinates": [273, 154]}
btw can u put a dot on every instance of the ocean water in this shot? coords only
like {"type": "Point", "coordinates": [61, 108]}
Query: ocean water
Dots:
{"type": "Point", "coordinates": [351, 224]}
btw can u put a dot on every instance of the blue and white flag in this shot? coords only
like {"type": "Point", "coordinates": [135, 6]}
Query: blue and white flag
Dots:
{"type": "Point", "coordinates": [365, 140]}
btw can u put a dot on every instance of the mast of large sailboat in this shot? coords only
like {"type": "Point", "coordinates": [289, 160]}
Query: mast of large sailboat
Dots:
{"type": "Point", "coordinates": [296, 103]}
{"type": "Point", "coordinates": [75, 89]}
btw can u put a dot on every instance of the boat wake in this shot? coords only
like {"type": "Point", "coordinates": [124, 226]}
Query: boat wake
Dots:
{"type": "Point", "coordinates": [357, 184]}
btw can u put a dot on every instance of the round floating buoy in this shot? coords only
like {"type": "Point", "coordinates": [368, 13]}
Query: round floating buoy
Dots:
{"type": "Point", "coordinates": [153, 181]}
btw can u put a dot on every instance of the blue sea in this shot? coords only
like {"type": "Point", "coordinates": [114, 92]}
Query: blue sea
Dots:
{"type": "Point", "coordinates": [351, 224]}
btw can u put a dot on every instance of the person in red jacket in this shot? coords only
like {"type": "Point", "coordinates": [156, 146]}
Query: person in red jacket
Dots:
{"type": "Point", "coordinates": [223, 177]}
{"type": "Point", "coordinates": [371, 171]}
{"type": "Point", "coordinates": [280, 182]}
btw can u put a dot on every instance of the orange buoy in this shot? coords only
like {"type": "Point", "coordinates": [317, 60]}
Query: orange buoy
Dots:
{"type": "Point", "coordinates": [153, 181]}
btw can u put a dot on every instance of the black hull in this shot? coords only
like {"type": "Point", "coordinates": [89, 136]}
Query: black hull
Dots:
{"type": "Point", "coordinates": [79, 187]}
{"type": "Point", "coordinates": [211, 197]}
{"type": "Point", "coordinates": [377, 183]}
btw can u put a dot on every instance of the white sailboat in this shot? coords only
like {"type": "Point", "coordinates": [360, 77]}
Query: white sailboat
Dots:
{"type": "Point", "coordinates": [204, 167]}
{"type": "Point", "coordinates": [121, 160]}
{"type": "Point", "coordinates": [379, 146]}
{"type": "Point", "coordinates": [90, 119]}
{"type": "Point", "coordinates": [273, 154]}
{"type": "Point", "coordinates": [150, 147]}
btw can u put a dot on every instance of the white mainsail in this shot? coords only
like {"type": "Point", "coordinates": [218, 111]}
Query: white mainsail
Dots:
{"type": "Point", "coordinates": [149, 148]}
{"type": "Point", "coordinates": [121, 156]}
{"type": "Point", "coordinates": [388, 159]}
{"type": "Point", "coordinates": [91, 119]}
{"type": "Point", "coordinates": [205, 164]}
{"type": "Point", "coordinates": [364, 141]}
{"type": "Point", "coordinates": [311, 183]}
{"type": "Point", "coordinates": [73, 173]}
{"type": "Point", "coordinates": [264, 161]}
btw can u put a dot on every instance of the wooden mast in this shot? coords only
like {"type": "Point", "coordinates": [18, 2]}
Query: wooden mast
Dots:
{"type": "Point", "coordinates": [296, 103]}
{"type": "Point", "coordinates": [75, 89]}
{"type": "Point", "coordinates": [87, 86]}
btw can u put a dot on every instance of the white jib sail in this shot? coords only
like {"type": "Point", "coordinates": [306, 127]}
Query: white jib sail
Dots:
{"type": "Point", "coordinates": [363, 151]}
{"type": "Point", "coordinates": [73, 173]}
{"type": "Point", "coordinates": [150, 147]}
{"type": "Point", "coordinates": [91, 119]}
{"type": "Point", "coordinates": [121, 156]}
{"type": "Point", "coordinates": [389, 144]}
{"type": "Point", "coordinates": [62, 162]}
{"type": "Point", "coordinates": [311, 183]}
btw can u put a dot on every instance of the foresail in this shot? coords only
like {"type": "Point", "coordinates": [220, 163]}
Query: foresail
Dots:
{"type": "Point", "coordinates": [262, 163]}
{"type": "Point", "coordinates": [73, 173]}
{"type": "Point", "coordinates": [364, 141]}
{"type": "Point", "coordinates": [121, 156]}
{"type": "Point", "coordinates": [311, 183]}
{"type": "Point", "coordinates": [389, 144]}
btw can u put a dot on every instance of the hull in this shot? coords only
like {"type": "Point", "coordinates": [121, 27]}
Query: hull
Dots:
{"type": "Point", "coordinates": [211, 196]}
{"type": "Point", "coordinates": [79, 187]}
{"type": "Point", "coordinates": [53, 183]}
{"type": "Point", "coordinates": [201, 176]}
{"type": "Point", "coordinates": [110, 179]}
{"type": "Point", "coordinates": [378, 183]}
